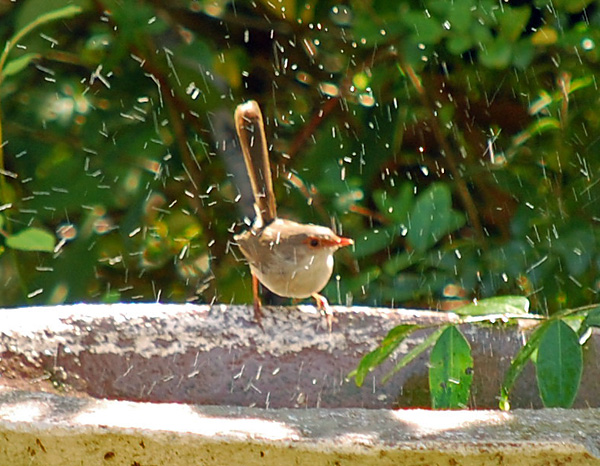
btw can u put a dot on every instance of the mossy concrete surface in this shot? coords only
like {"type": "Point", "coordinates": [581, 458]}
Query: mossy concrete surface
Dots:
{"type": "Point", "coordinates": [47, 429]}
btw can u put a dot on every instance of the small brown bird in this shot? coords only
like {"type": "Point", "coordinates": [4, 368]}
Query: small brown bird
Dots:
{"type": "Point", "coordinates": [291, 259]}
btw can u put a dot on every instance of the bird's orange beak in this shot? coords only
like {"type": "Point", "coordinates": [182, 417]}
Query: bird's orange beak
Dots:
{"type": "Point", "coordinates": [342, 242]}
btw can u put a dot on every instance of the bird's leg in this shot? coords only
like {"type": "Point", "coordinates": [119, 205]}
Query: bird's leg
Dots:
{"type": "Point", "coordinates": [256, 301]}
{"type": "Point", "coordinates": [325, 308]}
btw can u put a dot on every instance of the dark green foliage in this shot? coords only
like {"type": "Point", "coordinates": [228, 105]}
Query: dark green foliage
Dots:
{"type": "Point", "coordinates": [453, 140]}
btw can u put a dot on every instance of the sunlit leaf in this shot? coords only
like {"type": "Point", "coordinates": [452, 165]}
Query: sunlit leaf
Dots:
{"type": "Point", "coordinates": [394, 337]}
{"type": "Point", "coordinates": [415, 352]}
{"type": "Point", "coordinates": [542, 125]}
{"type": "Point", "coordinates": [31, 11]}
{"type": "Point", "coordinates": [581, 83]}
{"type": "Point", "coordinates": [32, 239]}
{"type": "Point", "coordinates": [18, 64]}
{"type": "Point", "coordinates": [569, 5]}
{"type": "Point", "coordinates": [518, 363]}
{"type": "Point", "coordinates": [559, 365]}
{"type": "Point", "coordinates": [546, 35]}
{"type": "Point", "coordinates": [540, 103]}
{"type": "Point", "coordinates": [496, 305]}
{"type": "Point", "coordinates": [450, 371]}
{"type": "Point", "coordinates": [61, 13]}
{"type": "Point", "coordinates": [41, 19]}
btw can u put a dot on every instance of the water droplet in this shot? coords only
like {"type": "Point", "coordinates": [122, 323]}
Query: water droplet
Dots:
{"type": "Point", "coordinates": [66, 231]}
{"type": "Point", "coordinates": [366, 100]}
{"type": "Point", "coordinates": [304, 78]}
{"type": "Point", "coordinates": [329, 89]}
{"type": "Point", "coordinates": [588, 44]}
{"type": "Point", "coordinates": [341, 15]}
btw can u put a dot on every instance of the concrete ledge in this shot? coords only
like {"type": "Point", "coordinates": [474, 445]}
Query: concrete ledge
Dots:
{"type": "Point", "coordinates": [218, 356]}
{"type": "Point", "coordinates": [153, 384]}
{"type": "Point", "coordinates": [46, 429]}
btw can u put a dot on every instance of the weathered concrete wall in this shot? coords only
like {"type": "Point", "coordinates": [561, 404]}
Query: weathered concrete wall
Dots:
{"type": "Point", "coordinates": [140, 384]}
{"type": "Point", "coordinates": [217, 355]}
{"type": "Point", "coordinates": [47, 430]}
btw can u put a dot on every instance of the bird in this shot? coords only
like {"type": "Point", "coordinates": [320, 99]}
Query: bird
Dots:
{"type": "Point", "coordinates": [291, 259]}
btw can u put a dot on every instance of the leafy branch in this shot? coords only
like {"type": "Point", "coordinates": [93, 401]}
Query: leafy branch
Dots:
{"type": "Point", "coordinates": [32, 238]}
{"type": "Point", "coordinates": [554, 346]}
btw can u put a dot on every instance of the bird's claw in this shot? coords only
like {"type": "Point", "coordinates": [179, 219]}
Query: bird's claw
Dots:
{"type": "Point", "coordinates": [325, 308]}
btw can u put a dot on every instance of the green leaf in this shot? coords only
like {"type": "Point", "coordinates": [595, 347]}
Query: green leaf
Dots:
{"type": "Point", "coordinates": [34, 10]}
{"type": "Point", "coordinates": [450, 371]}
{"type": "Point", "coordinates": [400, 261]}
{"type": "Point", "coordinates": [497, 305]}
{"type": "Point", "coordinates": [592, 319]}
{"type": "Point", "coordinates": [513, 21]}
{"type": "Point", "coordinates": [458, 44]}
{"type": "Point", "coordinates": [381, 353]}
{"type": "Point", "coordinates": [543, 125]}
{"type": "Point", "coordinates": [405, 286]}
{"type": "Point", "coordinates": [518, 364]}
{"type": "Point", "coordinates": [374, 241]}
{"type": "Point", "coordinates": [432, 217]}
{"type": "Point", "coordinates": [427, 30]}
{"type": "Point", "coordinates": [415, 352]}
{"type": "Point", "coordinates": [580, 83]}
{"type": "Point", "coordinates": [523, 53]}
{"type": "Point", "coordinates": [460, 16]}
{"type": "Point", "coordinates": [32, 239]}
{"type": "Point", "coordinates": [496, 54]}
{"type": "Point", "coordinates": [61, 13]}
{"type": "Point", "coordinates": [18, 64]}
{"type": "Point", "coordinates": [570, 6]}
{"type": "Point", "coordinates": [540, 126]}
{"type": "Point", "coordinates": [574, 247]}
{"type": "Point", "coordinates": [395, 206]}
{"type": "Point", "coordinates": [559, 365]}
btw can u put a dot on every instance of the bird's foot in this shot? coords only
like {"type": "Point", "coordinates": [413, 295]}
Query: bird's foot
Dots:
{"type": "Point", "coordinates": [325, 308]}
{"type": "Point", "coordinates": [257, 304]}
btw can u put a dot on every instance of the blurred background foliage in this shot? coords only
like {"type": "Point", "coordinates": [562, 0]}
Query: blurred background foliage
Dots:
{"type": "Point", "coordinates": [456, 142]}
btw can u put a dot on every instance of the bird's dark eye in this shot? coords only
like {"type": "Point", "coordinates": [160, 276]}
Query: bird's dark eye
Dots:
{"type": "Point", "coordinates": [314, 242]}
